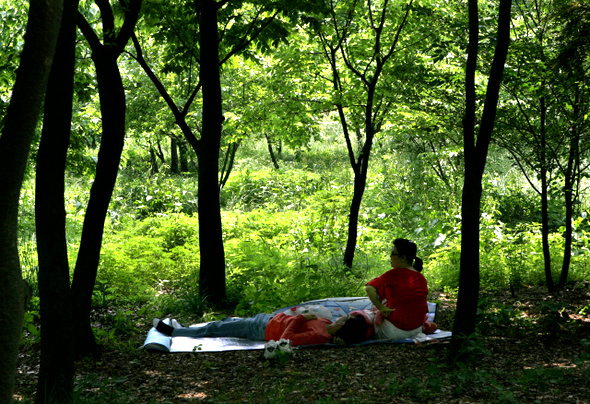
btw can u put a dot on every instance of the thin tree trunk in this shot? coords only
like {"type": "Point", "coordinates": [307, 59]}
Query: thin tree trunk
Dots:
{"type": "Point", "coordinates": [173, 156]}
{"type": "Point", "coordinates": [183, 156]}
{"type": "Point", "coordinates": [360, 181]}
{"type": "Point", "coordinates": [207, 148]}
{"type": "Point", "coordinates": [113, 107]}
{"type": "Point", "coordinates": [212, 267]}
{"type": "Point", "coordinates": [545, 200]}
{"type": "Point", "coordinates": [20, 121]}
{"type": "Point", "coordinates": [160, 152]}
{"type": "Point", "coordinates": [361, 171]}
{"type": "Point", "coordinates": [569, 207]}
{"type": "Point", "coordinates": [357, 193]}
{"type": "Point", "coordinates": [465, 314]}
{"type": "Point", "coordinates": [275, 163]}
{"type": "Point", "coordinates": [567, 236]}
{"type": "Point", "coordinates": [476, 151]}
{"type": "Point", "coordinates": [112, 101]}
{"type": "Point", "coordinates": [153, 161]}
{"type": "Point", "coordinates": [56, 374]}
{"type": "Point", "coordinates": [228, 163]}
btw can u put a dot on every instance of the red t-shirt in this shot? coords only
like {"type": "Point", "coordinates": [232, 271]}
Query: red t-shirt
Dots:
{"type": "Point", "coordinates": [299, 330]}
{"type": "Point", "coordinates": [406, 292]}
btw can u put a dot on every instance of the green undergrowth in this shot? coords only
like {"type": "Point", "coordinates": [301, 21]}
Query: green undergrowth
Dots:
{"type": "Point", "coordinates": [285, 232]}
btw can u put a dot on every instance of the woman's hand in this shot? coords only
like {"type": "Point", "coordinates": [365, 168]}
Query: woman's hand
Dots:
{"type": "Point", "coordinates": [386, 311]}
{"type": "Point", "coordinates": [372, 293]}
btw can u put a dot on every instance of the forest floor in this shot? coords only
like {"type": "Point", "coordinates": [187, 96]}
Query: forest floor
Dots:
{"type": "Point", "coordinates": [534, 348]}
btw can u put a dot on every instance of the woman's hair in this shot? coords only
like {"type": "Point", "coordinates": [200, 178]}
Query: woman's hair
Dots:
{"type": "Point", "coordinates": [408, 249]}
{"type": "Point", "coordinates": [353, 331]}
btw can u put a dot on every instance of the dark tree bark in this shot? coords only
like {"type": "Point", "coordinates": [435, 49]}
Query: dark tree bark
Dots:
{"type": "Point", "coordinates": [183, 155]}
{"type": "Point", "coordinates": [174, 156]}
{"type": "Point", "coordinates": [569, 193]}
{"type": "Point", "coordinates": [56, 374]}
{"type": "Point", "coordinates": [476, 150]}
{"type": "Point", "coordinates": [273, 158]}
{"type": "Point", "coordinates": [112, 107]}
{"type": "Point", "coordinates": [212, 272]}
{"type": "Point", "coordinates": [153, 161]}
{"type": "Point", "coordinates": [228, 163]}
{"type": "Point", "coordinates": [21, 119]}
{"type": "Point", "coordinates": [545, 197]}
{"type": "Point", "coordinates": [361, 170]}
{"type": "Point", "coordinates": [159, 152]}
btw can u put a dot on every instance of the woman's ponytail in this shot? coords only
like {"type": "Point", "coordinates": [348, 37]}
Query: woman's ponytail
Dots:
{"type": "Point", "coordinates": [418, 264]}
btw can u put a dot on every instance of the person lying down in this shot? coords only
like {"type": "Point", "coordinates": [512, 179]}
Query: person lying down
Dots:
{"type": "Point", "coordinates": [305, 328]}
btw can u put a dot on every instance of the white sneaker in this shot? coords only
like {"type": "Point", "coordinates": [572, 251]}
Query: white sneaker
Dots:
{"type": "Point", "coordinates": [284, 345]}
{"type": "Point", "coordinates": [270, 349]}
{"type": "Point", "coordinates": [175, 324]}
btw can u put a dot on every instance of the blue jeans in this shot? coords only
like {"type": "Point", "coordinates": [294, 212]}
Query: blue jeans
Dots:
{"type": "Point", "coordinates": [252, 328]}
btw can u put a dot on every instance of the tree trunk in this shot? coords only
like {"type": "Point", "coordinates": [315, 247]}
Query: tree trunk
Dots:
{"type": "Point", "coordinates": [228, 163]}
{"type": "Point", "coordinates": [56, 374]}
{"type": "Point", "coordinates": [275, 163]}
{"type": "Point", "coordinates": [112, 106]}
{"type": "Point", "coordinates": [567, 236]}
{"type": "Point", "coordinates": [569, 184]}
{"type": "Point", "coordinates": [173, 156]}
{"type": "Point", "coordinates": [183, 156]}
{"type": "Point", "coordinates": [360, 181]}
{"type": "Point", "coordinates": [19, 127]}
{"type": "Point", "coordinates": [468, 295]}
{"type": "Point", "coordinates": [476, 151]}
{"type": "Point", "coordinates": [153, 161]}
{"type": "Point", "coordinates": [212, 267]}
{"type": "Point", "coordinates": [160, 152]}
{"type": "Point", "coordinates": [361, 170]}
{"type": "Point", "coordinates": [357, 193]}
{"type": "Point", "coordinates": [464, 324]}
{"type": "Point", "coordinates": [545, 199]}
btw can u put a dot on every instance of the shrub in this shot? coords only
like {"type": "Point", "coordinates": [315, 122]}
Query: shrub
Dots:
{"type": "Point", "coordinates": [149, 257]}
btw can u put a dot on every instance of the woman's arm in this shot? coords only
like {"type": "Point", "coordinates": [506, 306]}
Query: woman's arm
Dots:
{"type": "Point", "coordinates": [372, 293]}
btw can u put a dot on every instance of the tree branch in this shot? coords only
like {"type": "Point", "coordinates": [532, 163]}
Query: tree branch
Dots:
{"type": "Point", "coordinates": [178, 115]}
{"type": "Point", "coordinates": [88, 32]}
{"type": "Point", "coordinates": [131, 17]}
